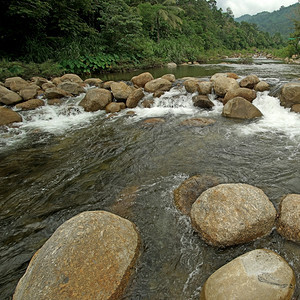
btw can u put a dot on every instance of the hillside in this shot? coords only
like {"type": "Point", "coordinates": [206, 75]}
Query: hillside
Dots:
{"type": "Point", "coordinates": [277, 21]}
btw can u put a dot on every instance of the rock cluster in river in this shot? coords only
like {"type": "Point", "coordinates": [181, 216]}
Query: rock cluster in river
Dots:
{"type": "Point", "coordinates": [91, 256]}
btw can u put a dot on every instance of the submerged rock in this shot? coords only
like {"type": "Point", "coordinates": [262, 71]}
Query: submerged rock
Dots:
{"type": "Point", "coordinates": [8, 116]}
{"type": "Point", "coordinates": [188, 191]}
{"type": "Point", "coordinates": [290, 94]}
{"type": "Point", "coordinates": [153, 121]}
{"type": "Point", "coordinates": [288, 224]}
{"type": "Point", "coordinates": [198, 122]}
{"type": "Point", "coordinates": [259, 274]}
{"type": "Point", "coordinates": [296, 108]}
{"type": "Point", "coordinates": [230, 214]}
{"type": "Point", "coordinates": [96, 99]}
{"type": "Point", "coordinates": [240, 108]}
{"type": "Point", "coordinates": [91, 256]}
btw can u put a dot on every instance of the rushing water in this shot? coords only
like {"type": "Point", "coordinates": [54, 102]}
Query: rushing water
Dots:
{"type": "Point", "coordinates": [62, 161]}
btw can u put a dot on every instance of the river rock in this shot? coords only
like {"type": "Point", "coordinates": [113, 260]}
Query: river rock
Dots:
{"type": "Point", "coordinates": [171, 65]}
{"type": "Point", "coordinates": [54, 101]}
{"type": "Point", "coordinates": [55, 93]}
{"type": "Point", "coordinates": [202, 101]}
{"type": "Point", "coordinates": [224, 84]}
{"type": "Point", "coordinates": [230, 214]}
{"type": "Point", "coordinates": [198, 122]}
{"type": "Point", "coordinates": [71, 87]}
{"type": "Point", "coordinates": [8, 116]}
{"type": "Point", "coordinates": [48, 85]}
{"type": "Point", "coordinates": [94, 82]}
{"type": "Point", "coordinates": [153, 121]}
{"type": "Point", "coordinates": [258, 274]}
{"type": "Point", "coordinates": [121, 90]}
{"type": "Point", "coordinates": [262, 86]}
{"type": "Point", "coordinates": [158, 84]}
{"type": "Point", "coordinates": [147, 103]}
{"type": "Point", "coordinates": [296, 108]}
{"type": "Point", "coordinates": [158, 94]}
{"type": "Point", "coordinates": [290, 94]}
{"type": "Point", "coordinates": [191, 86]}
{"type": "Point", "coordinates": [30, 104]}
{"type": "Point", "coordinates": [107, 84]}
{"type": "Point", "coordinates": [142, 79]}
{"type": "Point", "coordinates": [9, 97]}
{"type": "Point", "coordinates": [15, 83]}
{"type": "Point", "coordinates": [204, 87]}
{"type": "Point", "coordinates": [96, 99]}
{"type": "Point", "coordinates": [71, 77]}
{"type": "Point", "coordinates": [240, 108]}
{"type": "Point", "coordinates": [188, 191]}
{"type": "Point", "coordinates": [288, 224]}
{"type": "Point", "coordinates": [245, 93]}
{"type": "Point", "coordinates": [114, 107]}
{"type": "Point", "coordinates": [91, 256]}
{"type": "Point", "coordinates": [217, 76]}
{"type": "Point", "coordinates": [233, 75]}
{"type": "Point", "coordinates": [29, 92]}
{"type": "Point", "coordinates": [249, 81]}
{"type": "Point", "coordinates": [56, 81]}
{"type": "Point", "coordinates": [170, 77]}
{"type": "Point", "coordinates": [39, 81]}
{"type": "Point", "coordinates": [134, 98]}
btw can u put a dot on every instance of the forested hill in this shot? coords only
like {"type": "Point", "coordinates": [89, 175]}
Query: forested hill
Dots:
{"type": "Point", "coordinates": [281, 20]}
{"type": "Point", "coordinates": [91, 34]}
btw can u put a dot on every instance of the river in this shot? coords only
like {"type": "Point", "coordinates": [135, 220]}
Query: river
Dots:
{"type": "Point", "coordinates": [62, 161]}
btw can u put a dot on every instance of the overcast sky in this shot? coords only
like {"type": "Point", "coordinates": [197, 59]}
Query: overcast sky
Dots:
{"type": "Point", "coordinates": [252, 7]}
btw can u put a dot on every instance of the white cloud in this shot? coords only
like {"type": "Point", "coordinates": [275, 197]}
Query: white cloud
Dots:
{"type": "Point", "coordinates": [253, 7]}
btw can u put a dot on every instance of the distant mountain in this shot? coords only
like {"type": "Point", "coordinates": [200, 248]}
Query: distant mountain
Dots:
{"type": "Point", "coordinates": [277, 21]}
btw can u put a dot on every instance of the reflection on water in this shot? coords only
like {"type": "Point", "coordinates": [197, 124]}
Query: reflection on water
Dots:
{"type": "Point", "coordinates": [52, 171]}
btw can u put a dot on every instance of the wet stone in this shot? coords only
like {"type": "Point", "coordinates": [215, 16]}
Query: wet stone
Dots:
{"type": "Point", "coordinates": [197, 122]}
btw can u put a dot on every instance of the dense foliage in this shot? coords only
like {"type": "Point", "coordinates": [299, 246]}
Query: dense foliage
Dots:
{"type": "Point", "coordinates": [91, 35]}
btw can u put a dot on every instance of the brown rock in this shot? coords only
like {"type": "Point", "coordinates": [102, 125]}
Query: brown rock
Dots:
{"type": "Point", "coordinates": [158, 84]}
{"type": "Point", "coordinates": [158, 94]}
{"type": "Point", "coordinates": [224, 84]}
{"type": "Point", "coordinates": [96, 99]}
{"type": "Point", "coordinates": [71, 77]}
{"type": "Point", "coordinates": [8, 97]}
{"type": "Point", "coordinates": [147, 103]}
{"type": "Point", "coordinates": [15, 83]}
{"type": "Point", "coordinates": [39, 80]}
{"type": "Point", "coordinates": [8, 116]}
{"type": "Point", "coordinates": [249, 81]}
{"type": "Point", "coordinates": [48, 85]}
{"type": "Point", "coordinates": [29, 92]}
{"type": "Point", "coordinates": [54, 101]}
{"type": "Point", "coordinates": [296, 108]}
{"type": "Point", "coordinates": [230, 214]}
{"type": "Point", "coordinates": [240, 108]}
{"type": "Point", "coordinates": [121, 90]}
{"type": "Point", "coordinates": [94, 82]}
{"type": "Point", "coordinates": [188, 192]}
{"type": "Point", "coordinates": [288, 224]}
{"type": "Point", "coordinates": [202, 101]}
{"type": "Point", "coordinates": [55, 92]}
{"type": "Point", "coordinates": [56, 80]}
{"type": "Point", "coordinates": [245, 93]}
{"type": "Point", "coordinates": [233, 75]}
{"type": "Point", "coordinates": [30, 104]}
{"type": "Point", "coordinates": [134, 98]}
{"type": "Point", "coordinates": [170, 77]}
{"type": "Point", "coordinates": [191, 86]}
{"type": "Point", "coordinates": [290, 94]}
{"type": "Point", "coordinates": [142, 79]}
{"type": "Point", "coordinates": [258, 274]}
{"type": "Point", "coordinates": [218, 75]}
{"type": "Point", "coordinates": [114, 107]}
{"type": "Point", "coordinates": [153, 121]}
{"type": "Point", "coordinates": [71, 88]}
{"type": "Point", "coordinates": [198, 122]}
{"type": "Point", "coordinates": [91, 256]}
{"type": "Point", "coordinates": [262, 86]}
{"type": "Point", "coordinates": [107, 84]}
{"type": "Point", "coordinates": [205, 87]}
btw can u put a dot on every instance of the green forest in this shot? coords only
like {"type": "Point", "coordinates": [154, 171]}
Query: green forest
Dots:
{"type": "Point", "coordinates": [85, 36]}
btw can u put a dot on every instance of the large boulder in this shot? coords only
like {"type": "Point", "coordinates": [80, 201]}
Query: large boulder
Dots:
{"type": "Point", "coordinates": [230, 214]}
{"type": "Point", "coordinates": [29, 92]}
{"type": "Point", "coordinates": [71, 77]}
{"type": "Point", "coordinates": [249, 81]}
{"type": "Point", "coordinates": [189, 190]}
{"type": "Point", "coordinates": [134, 98]}
{"type": "Point", "coordinates": [290, 94]}
{"type": "Point", "coordinates": [288, 224]}
{"type": "Point", "coordinates": [71, 87]}
{"type": "Point", "coordinates": [191, 85]}
{"type": "Point", "coordinates": [258, 274]}
{"type": "Point", "coordinates": [15, 83]}
{"type": "Point", "coordinates": [202, 101]}
{"type": "Point", "coordinates": [224, 84]}
{"type": "Point", "coordinates": [91, 256]}
{"type": "Point", "coordinates": [141, 79]}
{"type": "Point", "coordinates": [54, 93]}
{"type": "Point", "coordinates": [96, 99]}
{"type": "Point", "coordinates": [94, 82]}
{"type": "Point", "coordinates": [205, 87]}
{"type": "Point", "coordinates": [9, 97]}
{"type": "Point", "coordinates": [30, 104]}
{"type": "Point", "coordinates": [245, 93]}
{"type": "Point", "coordinates": [158, 84]}
{"type": "Point", "coordinates": [240, 108]}
{"type": "Point", "coordinates": [8, 116]}
{"type": "Point", "coordinates": [121, 90]}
